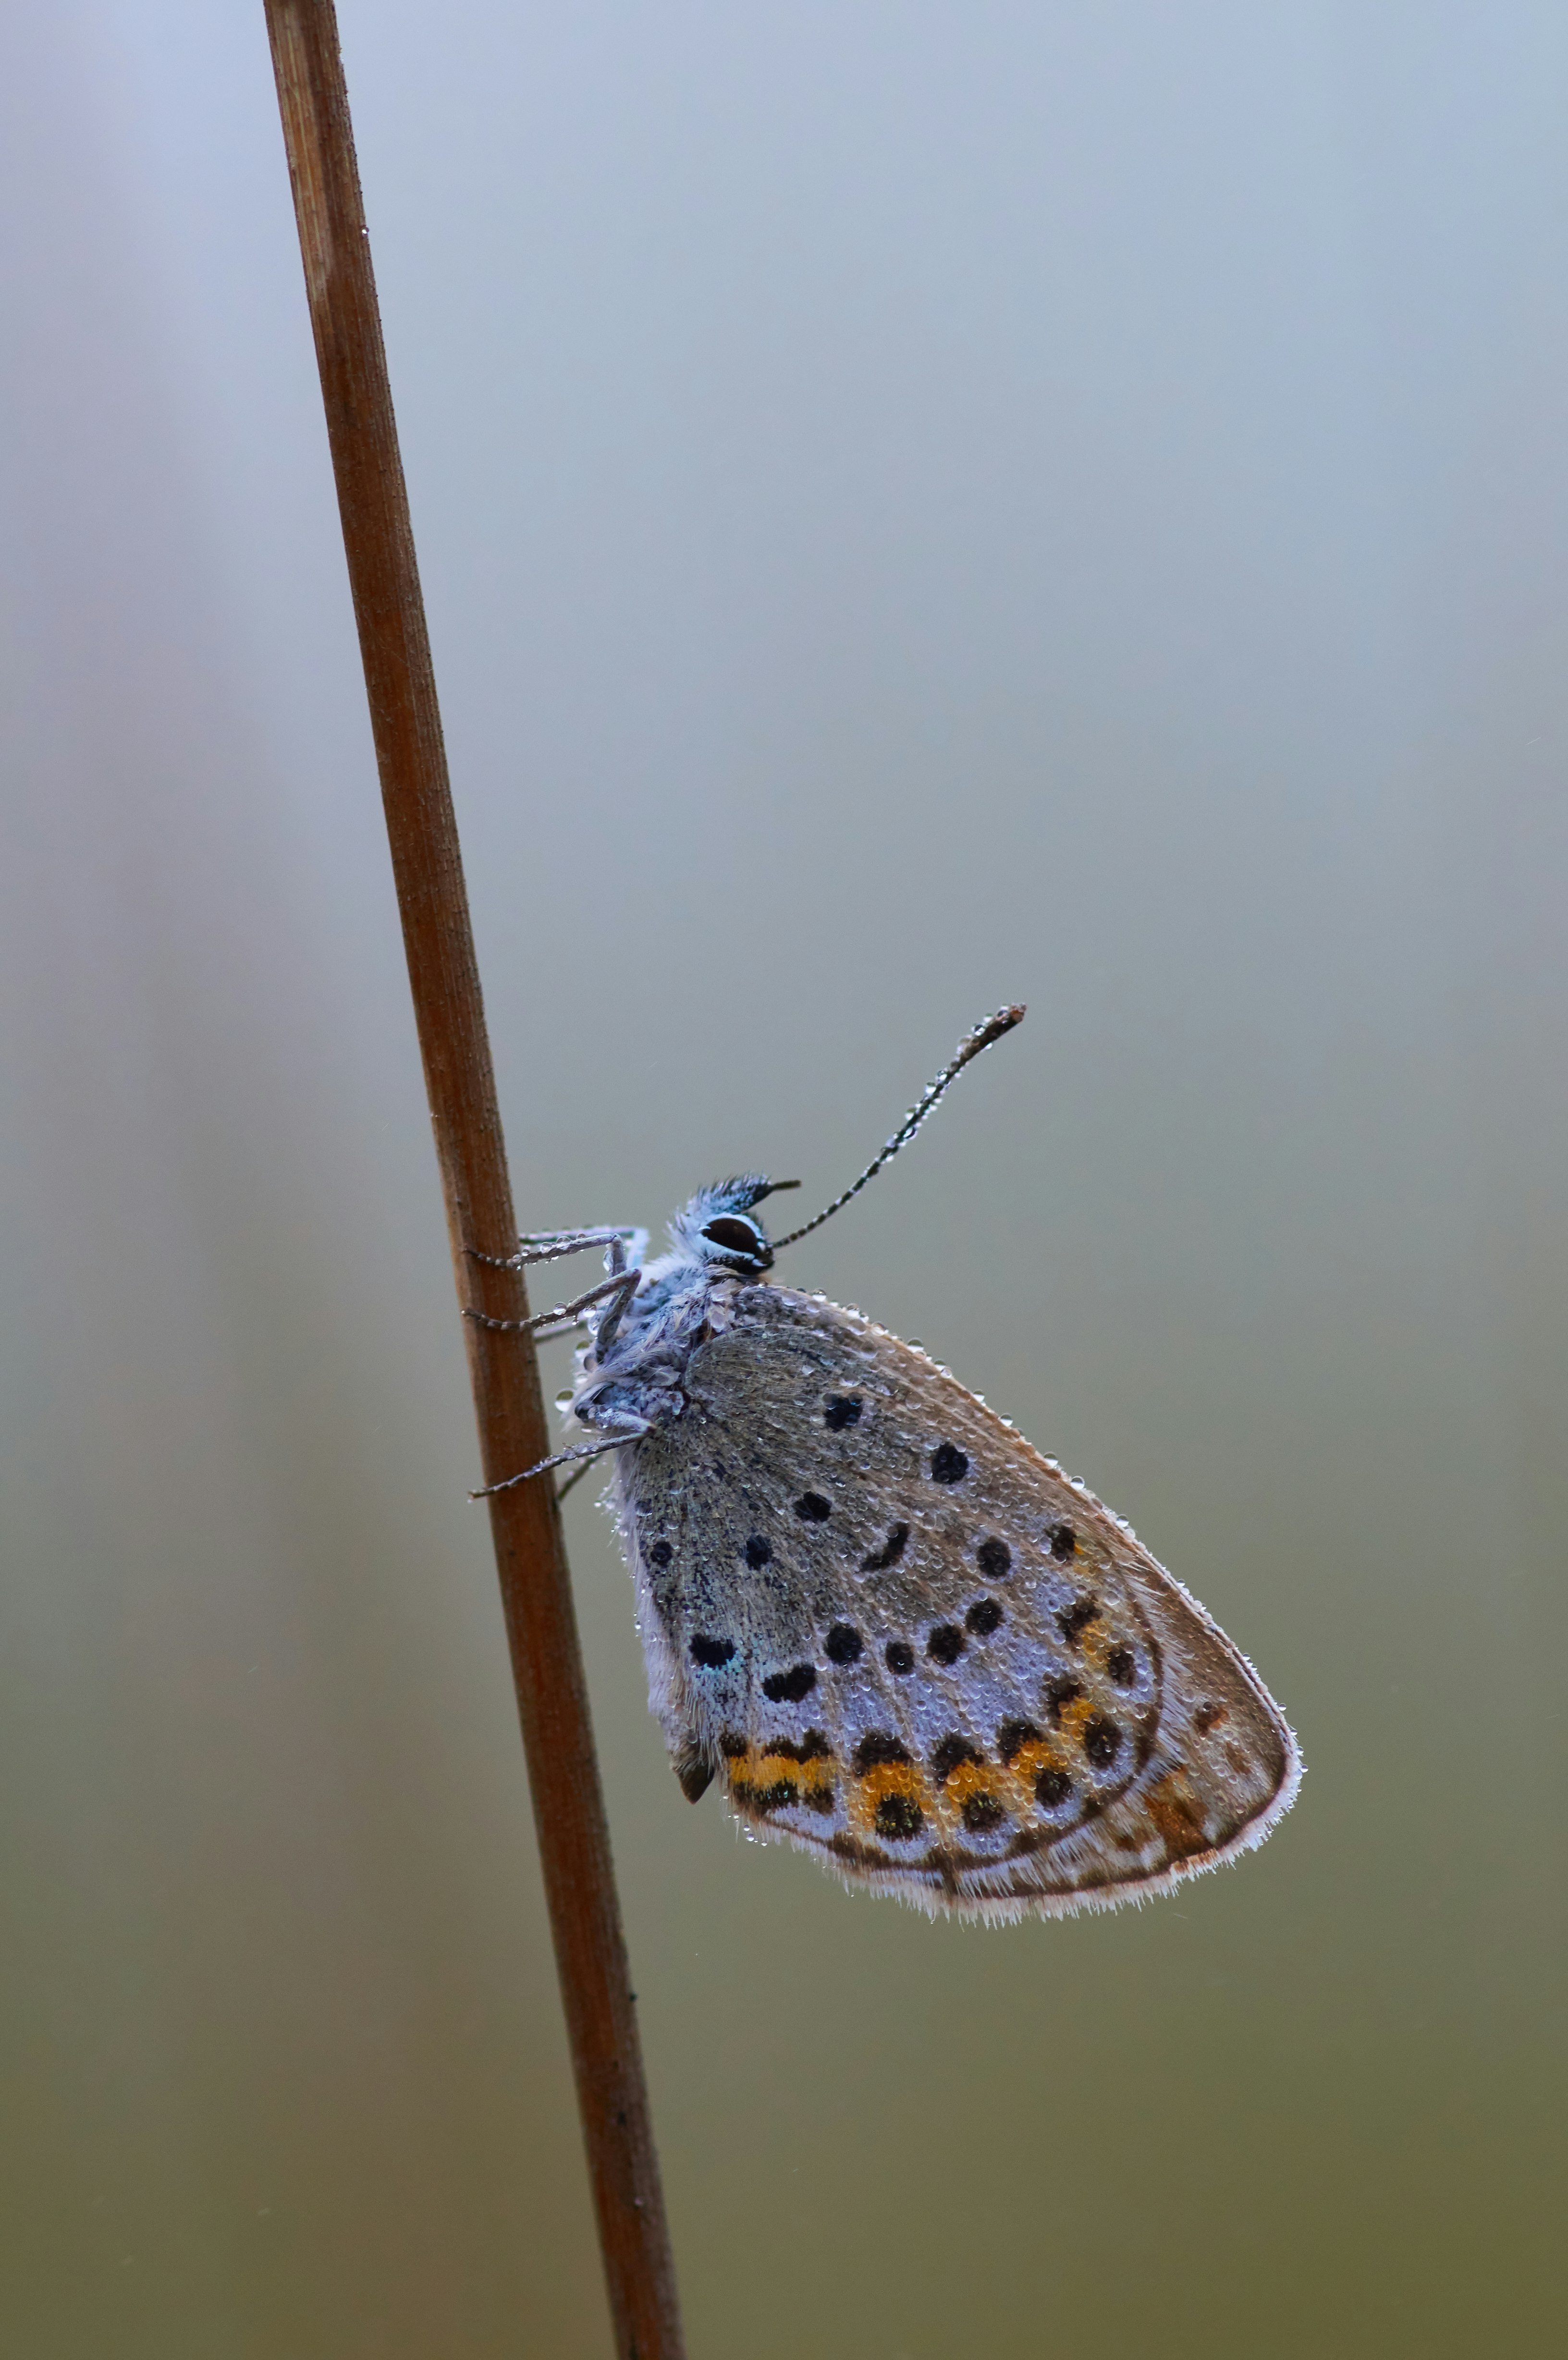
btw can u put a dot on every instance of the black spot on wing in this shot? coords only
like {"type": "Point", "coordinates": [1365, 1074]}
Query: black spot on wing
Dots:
{"type": "Point", "coordinates": [712, 1653]}
{"type": "Point", "coordinates": [758, 1551]}
{"type": "Point", "coordinates": [844, 1645]}
{"type": "Point", "coordinates": [843, 1409]}
{"type": "Point", "coordinates": [952, 1751]}
{"type": "Point", "coordinates": [898, 1819]}
{"type": "Point", "coordinates": [948, 1463]}
{"type": "Point", "coordinates": [1074, 1620]}
{"type": "Point", "coordinates": [994, 1560]}
{"type": "Point", "coordinates": [1059, 1694]}
{"type": "Point", "coordinates": [890, 1553]}
{"type": "Point", "coordinates": [813, 1747]}
{"type": "Point", "coordinates": [789, 1688]}
{"type": "Point", "coordinates": [1102, 1742]}
{"type": "Point", "coordinates": [876, 1746]}
{"type": "Point", "coordinates": [782, 1792]}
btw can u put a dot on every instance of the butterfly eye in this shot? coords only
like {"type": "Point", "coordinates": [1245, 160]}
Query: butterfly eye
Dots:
{"type": "Point", "coordinates": [734, 1237]}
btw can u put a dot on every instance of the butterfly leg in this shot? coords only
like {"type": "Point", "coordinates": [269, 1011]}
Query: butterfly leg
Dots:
{"type": "Point", "coordinates": [621, 1281]}
{"type": "Point", "coordinates": [552, 1245]}
{"type": "Point", "coordinates": [563, 1458]}
{"type": "Point", "coordinates": [615, 1310]}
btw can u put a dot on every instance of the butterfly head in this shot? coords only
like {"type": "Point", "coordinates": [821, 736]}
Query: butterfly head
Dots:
{"type": "Point", "coordinates": [719, 1226]}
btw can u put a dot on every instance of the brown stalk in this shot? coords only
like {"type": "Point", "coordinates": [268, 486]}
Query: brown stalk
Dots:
{"type": "Point", "coordinates": [541, 1626]}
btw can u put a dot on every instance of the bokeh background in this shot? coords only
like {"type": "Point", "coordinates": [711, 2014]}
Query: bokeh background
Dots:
{"type": "Point", "coordinates": [920, 504]}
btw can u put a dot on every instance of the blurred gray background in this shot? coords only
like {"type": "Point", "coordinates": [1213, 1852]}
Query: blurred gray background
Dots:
{"type": "Point", "coordinates": [920, 504]}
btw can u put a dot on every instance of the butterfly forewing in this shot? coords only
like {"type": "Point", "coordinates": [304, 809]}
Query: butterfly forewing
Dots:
{"type": "Point", "coordinates": [912, 1645]}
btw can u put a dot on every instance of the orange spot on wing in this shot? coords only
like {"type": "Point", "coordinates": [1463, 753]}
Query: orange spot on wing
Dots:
{"type": "Point", "coordinates": [760, 1782]}
{"type": "Point", "coordinates": [1177, 1816]}
{"type": "Point", "coordinates": [979, 1782]}
{"type": "Point", "coordinates": [1039, 1753]}
{"type": "Point", "coordinates": [874, 1787]}
{"type": "Point", "coordinates": [968, 1779]}
{"type": "Point", "coordinates": [1073, 1717]}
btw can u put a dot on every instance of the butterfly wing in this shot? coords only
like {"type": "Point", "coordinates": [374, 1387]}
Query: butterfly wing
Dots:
{"type": "Point", "coordinates": [912, 1645]}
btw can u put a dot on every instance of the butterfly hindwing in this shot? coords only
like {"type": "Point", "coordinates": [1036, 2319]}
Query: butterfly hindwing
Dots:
{"type": "Point", "coordinates": [910, 1644]}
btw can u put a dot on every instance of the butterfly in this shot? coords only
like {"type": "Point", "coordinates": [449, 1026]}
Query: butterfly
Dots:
{"type": "Point", "coordinates": [901, 1638]}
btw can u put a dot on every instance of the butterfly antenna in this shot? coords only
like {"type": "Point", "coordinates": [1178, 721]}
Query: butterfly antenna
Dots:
{"type": "Point", "coordinates": [981, 1038]}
